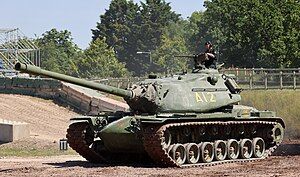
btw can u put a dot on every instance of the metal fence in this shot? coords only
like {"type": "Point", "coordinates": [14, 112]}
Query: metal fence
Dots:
{"type": "Point", "coordinates": [16, 47]}
{"type": "Point", "coordinates": [248, 79]}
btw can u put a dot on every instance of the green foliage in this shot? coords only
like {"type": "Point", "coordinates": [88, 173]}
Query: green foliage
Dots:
{"type": "Point", "coordinates": [129, 28]}
{"type": "Point", "coordinates": [173, 43]}
{"type": "Point", "coordinates": [255, 33]}
{"type": "Point", "coordinates": [248, 33]}
{"type": "Point", "coordinates": [58, 52]}
{"type": "Point", "coordinates": [115, 24]}
{"type": "Point", "coordinates": [33, 152]}
{"type": "Point", "coordinates": [118, 27]}
{"type": "Point", "coordinates": [196, 33]}
{"type": "Point", "coordinates": [99, 61]}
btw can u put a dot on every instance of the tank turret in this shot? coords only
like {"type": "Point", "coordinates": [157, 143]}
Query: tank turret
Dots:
{"type": "Point", "coordinates": [196, 92]}
{"type": "Point", "coordinates": [203, 91]}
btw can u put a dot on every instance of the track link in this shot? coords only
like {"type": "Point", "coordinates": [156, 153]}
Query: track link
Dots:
{"type": "Point", "coordinates": [76, 135]}
{"type": "Point", "coordinates": [154, 140]}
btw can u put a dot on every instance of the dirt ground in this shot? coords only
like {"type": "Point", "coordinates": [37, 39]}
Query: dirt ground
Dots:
{"type": "Point", "coordinates": [48, 123]}
{"type": "Point", "coordinates": [47, 120]}
{"type": "Point", "coordinates": [76, 166]}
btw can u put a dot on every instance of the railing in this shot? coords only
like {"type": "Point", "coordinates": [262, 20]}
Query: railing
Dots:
{"type": "Point", "coordinates": [248, 79]}
{"type": "Point", "coordinates": [260, 78]}
{"type": "Point", "coordinates": [16, 47]}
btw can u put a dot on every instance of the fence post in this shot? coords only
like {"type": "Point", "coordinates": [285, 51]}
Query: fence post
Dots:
{"type": "Point", "coordinates": [251, 78]}
{"type": "Point", "coordinates": [280, 79]}
{"type": "Point", "coordinates": [266, 80]}
{"type": "Point", "coordinates": [295, 80]}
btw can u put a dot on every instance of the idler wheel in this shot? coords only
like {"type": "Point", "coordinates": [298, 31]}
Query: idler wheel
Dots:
{"type": "Point", "coordinates": [258, 147]}
{"type": "Point", "coordinates": [233, 149]}
{"type": "Point", "coordinates": [167, 139]}
{"type": "Point", "coordinates": [246, 148]}
{"type": "Point", "coordinates": [220, 150]}
{"type": "Point", "coordinates": [192, 153]}
{"type": "Point", "coordinates": [178, 154]}
{"type": "Point", "coordinates": [277, 133]}
{"type": "Point", "coordinates": [207, 152]}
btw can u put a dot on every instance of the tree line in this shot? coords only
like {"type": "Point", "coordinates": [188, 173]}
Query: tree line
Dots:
{"type": "Point", "coordinates": [141, 38]}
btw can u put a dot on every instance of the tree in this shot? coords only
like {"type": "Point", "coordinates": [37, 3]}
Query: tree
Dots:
{"type": "Point", "coordinates": [118, 28]}
{"type": "Point", "coordinates": [255, 33]}
{"type": "Point", "coordinates": [154, 16]}
{"type": "Point", "coordinates": [129, 28]}
{"type": "Point", "coordinates": [196, 32]}
{"type": "Point", "coordinates": [58, 52]}
{"type": "Point", "coordinates": [172, 43]}
{"type": "Point", "coordinates": [99, 61]}
{"type": "Point", "coordinates": [164, 56]}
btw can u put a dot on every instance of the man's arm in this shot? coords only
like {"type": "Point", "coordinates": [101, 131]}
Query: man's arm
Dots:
{"type": "Point", "coordinates": [211, 55]}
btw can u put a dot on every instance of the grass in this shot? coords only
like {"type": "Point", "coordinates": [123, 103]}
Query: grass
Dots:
{"type": "Point", "coordinates": [32, 152]}
{"type": "Point", "coordinates": [286, 103]}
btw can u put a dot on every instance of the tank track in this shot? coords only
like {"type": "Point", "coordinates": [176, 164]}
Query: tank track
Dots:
{"type": "Point", "coordinates": [81, 139]}
{"type": "Point", "coordinates": [153, 139]}
{"type": "Point", "coordinates": [154, 142]}
{"type": "Point", "coordinates": [78, 141]}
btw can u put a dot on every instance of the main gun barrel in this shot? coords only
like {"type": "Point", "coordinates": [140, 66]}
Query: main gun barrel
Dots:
{"type": "Point", "coordinates": [89, 84]}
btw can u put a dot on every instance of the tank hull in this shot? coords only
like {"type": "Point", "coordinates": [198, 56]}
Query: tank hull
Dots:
{"type": "Point", "coordinates": [163, 137]}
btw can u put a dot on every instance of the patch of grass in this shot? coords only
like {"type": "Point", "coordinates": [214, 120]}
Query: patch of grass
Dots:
{"type": "Point", "coordinates": [32, 152]}
{"type": "Point", "coordinates": [286, 104]}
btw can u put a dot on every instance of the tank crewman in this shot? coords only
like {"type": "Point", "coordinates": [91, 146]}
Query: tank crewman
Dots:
{"type": "Point", "coordinates": [207, 59]}
{"type": "Point", "coordinates": [210, 61]}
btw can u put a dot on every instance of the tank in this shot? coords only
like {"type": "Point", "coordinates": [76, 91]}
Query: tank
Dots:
{"type": "Point", "coordinates": [186, 120]}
